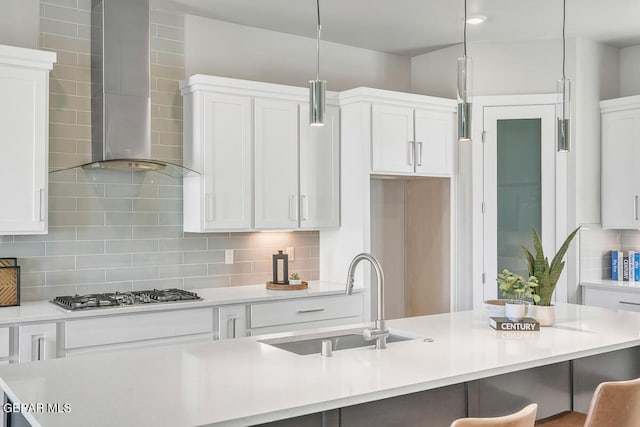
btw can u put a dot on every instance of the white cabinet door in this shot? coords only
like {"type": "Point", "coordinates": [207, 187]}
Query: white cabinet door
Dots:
{"type": "Point", "coordinates": [228, 162]}
{"type": "Point", "coordinates": [24, 141]}
{"type": "Point", "coordinates": [392, 148]}
{"type": "Point", "coordinates": [620, 151]}
{"type": "Point", "coordinates": [276, 164]}
{"type": "Point", "coordinates": [434, 143]}
{"type": "Point", "coordinates": [218, 144]}
{"type": "Point", "coordinates": [36, 342]}
{"type": "Point", "coordinates": [232, 321]}
{"type": "Point", "coordinates": [320, 171]}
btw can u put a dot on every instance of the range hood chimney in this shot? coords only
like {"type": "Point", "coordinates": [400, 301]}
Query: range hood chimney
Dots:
{"type": "Point", "coordinates": [121, 89]}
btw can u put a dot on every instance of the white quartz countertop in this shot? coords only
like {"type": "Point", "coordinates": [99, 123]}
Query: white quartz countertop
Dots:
{"type": "Point", "coordinates": [613, 285]}
{"type": "Point", "coordinates": [243, 381]}
{"type": "Point", "coordinates": [45, 311]}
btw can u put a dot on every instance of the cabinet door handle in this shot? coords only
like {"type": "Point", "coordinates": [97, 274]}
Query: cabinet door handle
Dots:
{"type": "Point", "coordinates": [210, 207]}
{"type": "Point", "coordinates": [635, 207]}
{"type": "Point", "coordinates": [629, 303]}
{"type": "Point", "coordinates": [38, 205]}
{"type": "Point", "coordinates": [419, 155]}
{"type": "Point", "coordinates": [232, 323]}
{"type": "Point", "coordinates": [312, 310]}
{"type": "Point", "coordinates": [38, 351]}
{"type": "Point", "coordinates": [411, 152]}
{"type": "Point", "coordinates": [293, 208]}
{"type": "Point", "coordinates": [304, 206]}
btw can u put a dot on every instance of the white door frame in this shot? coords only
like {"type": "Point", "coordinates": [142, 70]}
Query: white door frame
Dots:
{"type": "Point", "coordinates": [482, 291]}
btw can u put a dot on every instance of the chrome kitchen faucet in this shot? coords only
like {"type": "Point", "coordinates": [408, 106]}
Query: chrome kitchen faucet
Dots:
{"type": "Point", "coordinates": [380, 332]}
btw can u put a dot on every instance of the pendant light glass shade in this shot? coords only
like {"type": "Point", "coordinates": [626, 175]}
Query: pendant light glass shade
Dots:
{"type": "Point", "coordinates": [317, 87]}
{"type": "Point", "coordinates": [317, 90]}
{"type": "Point", "coordinates": [465, 78]}
{"type": "Point", "coordinates": [564, 93]}
{"type": "Point", "coordinates": [564, 121]}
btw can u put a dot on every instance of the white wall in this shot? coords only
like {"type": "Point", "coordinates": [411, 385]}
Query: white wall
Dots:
{"type": "Point", "coordinates": [231, 50]}
{"type": "Point", "coordinates": [630, 71]}
{"type": "Point", "coordinates": [19, 23]}
{"type": "Point", "coordinates": [498, 68]}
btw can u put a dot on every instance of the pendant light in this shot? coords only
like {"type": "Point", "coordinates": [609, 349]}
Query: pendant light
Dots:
{"type": "Point", "coordinates": [564, 92]}
{"type": "Point", "coordinates": [465, 67]}
{"type": "Point", "coordinates": [317, 87]}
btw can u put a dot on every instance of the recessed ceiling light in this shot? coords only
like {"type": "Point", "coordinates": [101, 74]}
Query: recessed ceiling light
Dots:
{"type": "Point", "coordinates": [477, 19]}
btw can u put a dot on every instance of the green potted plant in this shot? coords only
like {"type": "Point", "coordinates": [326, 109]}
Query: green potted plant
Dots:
{"type": "Point", "coordinates": [547, 275]}
{"type": "Point", "coordinates": [294, 279]}
{"type": "Point", "coordinates": [517, 290]}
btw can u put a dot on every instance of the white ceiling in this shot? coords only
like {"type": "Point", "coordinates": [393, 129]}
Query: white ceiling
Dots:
{"type": "Point", "coordinates": [411, 27]}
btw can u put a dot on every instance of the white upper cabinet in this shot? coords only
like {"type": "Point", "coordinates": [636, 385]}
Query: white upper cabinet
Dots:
{"type": "Point", "coordinates": [434, 136]}
{"type": "Point", "coordinates": [320, 170]}
{"type": "Point", "coordinates": [24, 141]}
{"type": "Point", "coordinates": [393, 146]}
{"type": "Point", "coordinates": [261, 165]}
{"type": "Point", "coordinates": [411, 141]}
{"type": "Point", "coordinates": [218, 144]}
{"type": "Point", "coordinates": [276, 148]}
{"type": "Point", "coordinates": [620, 156]}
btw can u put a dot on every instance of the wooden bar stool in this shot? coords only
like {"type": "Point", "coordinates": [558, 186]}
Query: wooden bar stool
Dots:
{"type": "Point", "coordinates": [614, 404]}
{"type": "Point", "coordinates": [526, 417]}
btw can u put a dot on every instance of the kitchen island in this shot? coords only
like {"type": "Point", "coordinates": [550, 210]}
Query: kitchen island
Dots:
{"type": "Point", "coordinates": [453, 366]}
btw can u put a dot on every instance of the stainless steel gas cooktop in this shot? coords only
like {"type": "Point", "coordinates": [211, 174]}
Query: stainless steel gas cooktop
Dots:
{"type": "Point", "coordinates": [116, 299]}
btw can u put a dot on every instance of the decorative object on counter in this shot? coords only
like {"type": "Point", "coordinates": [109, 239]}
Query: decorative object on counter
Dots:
{"type": "Point", "coordinates": [625, 266]}
{"type": "Point", "coordinates": [494, 307]}
{"type": "Point", "coordinates": [9, 282]}
{"type": "Point", "coordinates": [564, 92]}
{"type": "Point", "coordinates": [294, 279]}
{"type": "Point", "coordinates": [280, 268]}
{"type": "Point", "coordinates": [516, 289]}
{"type": "Point", "coordinates": [547, 274]}
{"type": "Point", "coordinates": [317, 87]}
{"type": "Point", "coordinates": [465, 75]}
{"type": "Point", "coordinates": [522, 324]}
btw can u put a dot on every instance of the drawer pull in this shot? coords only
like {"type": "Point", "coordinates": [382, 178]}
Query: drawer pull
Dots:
{"type": "Point", "coordinates": [629, 303]}
{"type": "Point", "coordinates": [312, 310]}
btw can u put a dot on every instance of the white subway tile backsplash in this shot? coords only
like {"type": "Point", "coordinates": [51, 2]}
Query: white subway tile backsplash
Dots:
{"type": "Point", "coordinates": [120, 230]}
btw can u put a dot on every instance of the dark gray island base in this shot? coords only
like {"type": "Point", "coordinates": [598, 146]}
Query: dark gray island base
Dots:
{"type": "Point", "coordinates": [555, 388]}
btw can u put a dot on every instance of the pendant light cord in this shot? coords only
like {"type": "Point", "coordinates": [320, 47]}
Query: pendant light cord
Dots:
{"type": "Point", "coordinates": [318, 42]}
{"type": "Point", "coordinates": [564, 21]}
{"type": "Point", "coordinates": [465, 28]}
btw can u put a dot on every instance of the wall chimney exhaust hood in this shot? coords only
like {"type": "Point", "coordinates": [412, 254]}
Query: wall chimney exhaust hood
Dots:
{"type": "Point", "coordinates": [121, 89]}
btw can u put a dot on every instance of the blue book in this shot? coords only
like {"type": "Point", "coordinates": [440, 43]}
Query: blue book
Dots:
{"type": "Point", "coordinates": [636, 266]}
{"type": "Point", "coordinates": [615, 264]}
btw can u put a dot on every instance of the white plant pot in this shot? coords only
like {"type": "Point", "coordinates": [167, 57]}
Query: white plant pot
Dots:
{"type": "Point", "coordinates": [515, 310]}
{"type": "Point", "coordinates": [544, 314]}
{"type": "Point", "coordinates": [295, 281]}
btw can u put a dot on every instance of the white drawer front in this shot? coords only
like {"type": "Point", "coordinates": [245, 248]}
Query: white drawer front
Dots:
{"type": "Point", "coordinates": [305, 310]}
{"type": "Point", "coordinates": [617, 300]}
{"type": "Point", "coordinates": [137, 327]}
{"type": "Point", "coordinates": [4, 343]}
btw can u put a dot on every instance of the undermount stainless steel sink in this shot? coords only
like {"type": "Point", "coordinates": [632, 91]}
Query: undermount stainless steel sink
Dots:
{"type": "Point", "coordinates": [304, 345]}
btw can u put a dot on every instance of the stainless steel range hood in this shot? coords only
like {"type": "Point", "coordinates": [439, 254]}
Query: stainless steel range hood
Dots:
{"type": "Point", "coordinates": [121, 89]}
